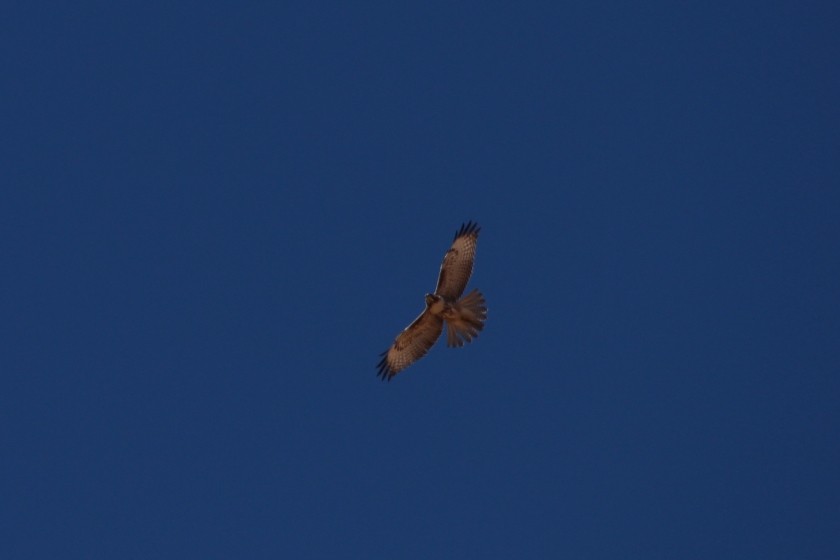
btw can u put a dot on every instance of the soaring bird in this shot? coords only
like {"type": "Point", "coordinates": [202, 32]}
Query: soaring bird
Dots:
{"type": "Point", "coordinates": [464, 317]}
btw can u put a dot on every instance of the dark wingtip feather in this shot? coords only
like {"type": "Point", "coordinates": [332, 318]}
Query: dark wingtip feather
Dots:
{"type": "Point", "coordinates": [467, 228]}
{"type": "Point", "coordinates": [385, 371]}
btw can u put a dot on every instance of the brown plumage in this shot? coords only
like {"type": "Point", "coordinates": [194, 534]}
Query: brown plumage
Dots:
{"type": "Point", "coordinates": [464, 317]}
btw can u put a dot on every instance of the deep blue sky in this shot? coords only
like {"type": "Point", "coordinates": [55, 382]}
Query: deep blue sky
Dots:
{"type": "Point", "coordinates": [216, 216]}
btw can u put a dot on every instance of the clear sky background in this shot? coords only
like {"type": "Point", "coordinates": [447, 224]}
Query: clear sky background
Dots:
{"type": "Point", "coordinates": [215, 216]}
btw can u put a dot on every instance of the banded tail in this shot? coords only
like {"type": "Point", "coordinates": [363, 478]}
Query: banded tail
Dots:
{"type": "Point", "coordinates": [466, 319]}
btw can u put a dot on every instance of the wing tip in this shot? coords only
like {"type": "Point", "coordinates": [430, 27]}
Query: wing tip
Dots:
{"type": "Point", "coordinates": [468, 228]}
{"type": "Point", "coordinates": [386, 372]}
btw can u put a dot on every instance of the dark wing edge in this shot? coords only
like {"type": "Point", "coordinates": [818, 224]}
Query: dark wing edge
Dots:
{"type": "Point", "coordinates": [415, 345]}
{"type": "Point", "coordinates": [466, 229]}
{"type": "Point", "coordinates": [384, 368]}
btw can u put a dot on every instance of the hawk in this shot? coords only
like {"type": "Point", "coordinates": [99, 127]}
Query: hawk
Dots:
{"type": "Point", "coordinates": [464, 317]}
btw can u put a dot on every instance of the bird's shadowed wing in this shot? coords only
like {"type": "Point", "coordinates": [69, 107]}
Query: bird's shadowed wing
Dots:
{"type": "Point", "coordinates": [457, 263]}
{"type": "Point", "coordinates": [410, 345]}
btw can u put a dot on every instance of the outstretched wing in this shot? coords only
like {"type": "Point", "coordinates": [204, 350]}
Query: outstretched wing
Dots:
{"type": "Point", "coordinates": [457, 263]}
{"type": "Point", "coordinates": [410, 345]}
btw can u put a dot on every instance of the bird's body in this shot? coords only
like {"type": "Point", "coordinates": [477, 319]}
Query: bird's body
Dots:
{"type": "Point", "coordinates": [436, 304]}
{"type": "Point", "coordinates": [464, 317]}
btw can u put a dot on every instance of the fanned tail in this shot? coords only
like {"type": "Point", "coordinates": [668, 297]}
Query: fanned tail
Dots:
{"type": "Point", "coordinates": [467, 319]}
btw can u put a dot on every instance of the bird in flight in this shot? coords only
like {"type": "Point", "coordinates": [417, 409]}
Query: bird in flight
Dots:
{"type": "Point", "coordinates": [464, 317]}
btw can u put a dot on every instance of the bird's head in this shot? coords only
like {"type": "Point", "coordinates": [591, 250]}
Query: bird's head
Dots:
{"type": "Point", "coordinates": [431, 298]}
